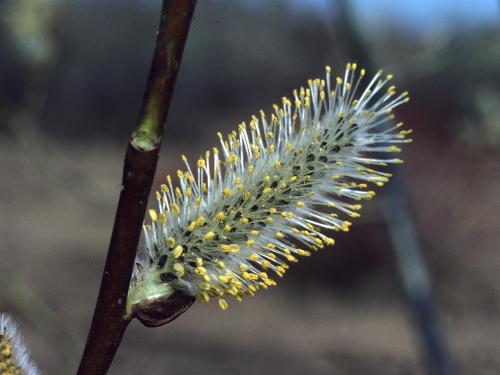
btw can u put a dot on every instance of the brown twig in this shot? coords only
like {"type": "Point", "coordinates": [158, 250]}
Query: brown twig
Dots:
{"type": "Point", "coordinates": [109, 321]}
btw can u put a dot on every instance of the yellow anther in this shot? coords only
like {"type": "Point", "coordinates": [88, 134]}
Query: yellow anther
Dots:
{"type": "Point", "coordinates": [245, 220]}
{"type": "Point", "coordinates": [267, 190]}
{"type": "Point", "coordinates": [223, 304]}
{"type": "Point", "coordinates": [250, 243]}
{"type": "Point", "coordinates": [191, 227]}
{"type": "Point", "coordinates": [329, 241]}
{"type": "Point", "coordinates": [228, 192]}
{"type": "Point", "coordinates": [273, 210]}
{"type": "Point", "coordinates": [221, 216]}
{"type": "Point", "coordinates": [177, 252]}
{"type": "Point", "coordinates": [170, 242]}
{"type": "Point", "coordinates": [227, 228]}
{"type": "Point", "coordinates": [300, 204]}
{"type": "Point", "coordinates": [277, 164]}
{"type": "Point", "coordinates": [179, 269]}
{"type": "Point", "coordinates": [280, 235]}
{"type": "Point", "coordinates": [163, 218]}
{"type": "Point", "coordinates": [232, 158]}
{"type": "Point", "coordinates": [200, 270]}
{"type": "Point", "coordinates": [209, 236]}
{"type": "Point", "coordinates": [254, 233]}
{"type": "Point", "coordinates": [232, 248]}
{"type": "Point", "coordinates": [204, 297]}
{"type": "Point", "coordinates": [175, 209]}
{"type": "Point", "coordinates": [293, 178]}
{"type": "Point", "coordinates": [220, 264]}
{"type": "Point", "coordinates": [223, 278]}
{"type": "Point", "coordinates": [303, 253]}
{"type": "Point", "coordinates": [199, 261]}
{"type": "Point", "coordinates": [153, 215]}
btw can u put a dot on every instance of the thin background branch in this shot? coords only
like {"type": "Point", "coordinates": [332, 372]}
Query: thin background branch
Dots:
{"type": "Point", "coordinates": [406, 242]}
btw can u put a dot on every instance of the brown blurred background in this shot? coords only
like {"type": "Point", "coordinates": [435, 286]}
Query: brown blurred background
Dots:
{"type": "Point", "coordinates": [72, 75]}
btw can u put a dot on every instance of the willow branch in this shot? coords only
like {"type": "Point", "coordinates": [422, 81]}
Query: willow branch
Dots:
{"type": "Point", "coordinates": [109, 322]}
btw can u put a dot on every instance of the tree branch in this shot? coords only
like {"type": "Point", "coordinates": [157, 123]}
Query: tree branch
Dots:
{"type": "Point", "coordinates": [109, 321]}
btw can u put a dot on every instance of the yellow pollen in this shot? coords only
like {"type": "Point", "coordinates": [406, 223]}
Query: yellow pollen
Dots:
{"type": "Point", "coordinates": [175, 209]}
{"type": "Point", "coordinates": [223, 304]}
{"type": "Point", "coordinates": [228, 192]}
{"type": "Point", "coordinates": [200, 270]}
{"type": "Point", "coordinates": [177, 252]}
{"type": "Point", "coordinates": [192, 226]}
{"type": "Point", "coordinates": [179, 269]}
{"type": "Point", "coordinates": [170, 242]}
{"type": "Point", "coordinates": [153, 215]}
{"type": "Point", "coordinates": [232, 248]}
{"type": "Point", "coordinates": [209, 236]}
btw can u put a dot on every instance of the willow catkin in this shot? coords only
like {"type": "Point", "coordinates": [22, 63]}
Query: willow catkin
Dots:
{"type": "Point", "coordinates": [14, 357]}
{"type": "Point", "coordinates": [269, 193]}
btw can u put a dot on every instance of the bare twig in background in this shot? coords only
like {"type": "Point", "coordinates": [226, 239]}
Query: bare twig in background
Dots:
{"type": "Point", "coordinates": [402, 230]}
{"type": "Point", "coordinates": [109, 322]}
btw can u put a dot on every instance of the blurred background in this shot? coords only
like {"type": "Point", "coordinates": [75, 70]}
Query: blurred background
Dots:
{"type": "Point", "coordinates": [72, 76]}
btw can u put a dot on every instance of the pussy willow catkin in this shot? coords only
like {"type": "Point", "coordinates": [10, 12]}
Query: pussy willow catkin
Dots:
{"type": "Point", "coordinates": [266, 197]}
{"type": "Point", "coordinates": [14, 357]}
